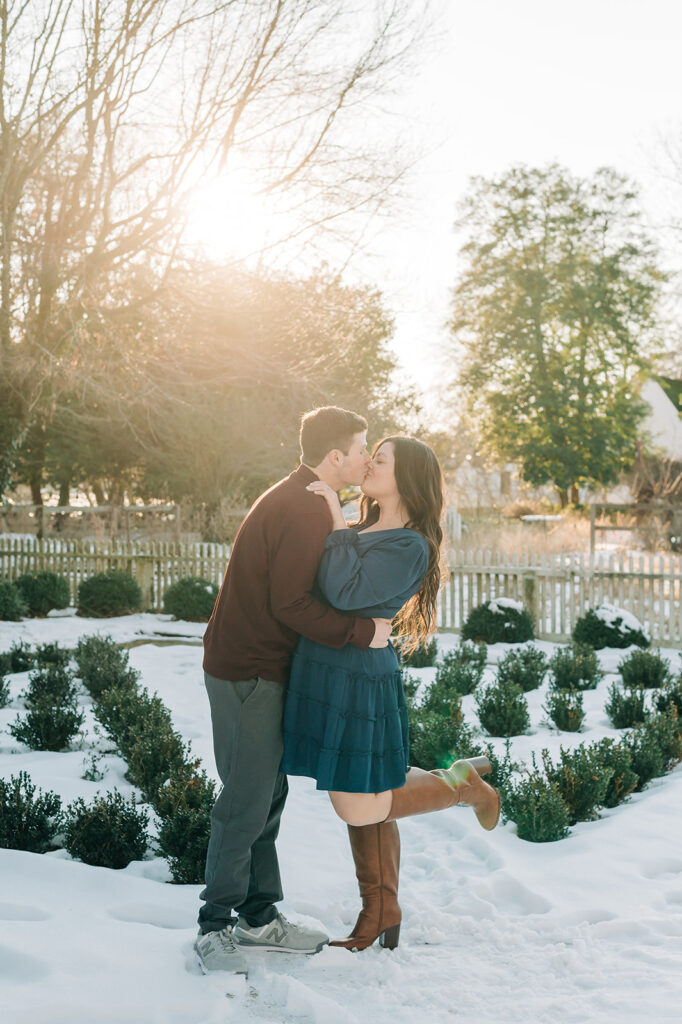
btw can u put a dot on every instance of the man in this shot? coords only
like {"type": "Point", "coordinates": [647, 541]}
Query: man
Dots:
{"type": "Point", "coordinates": [265, 603]}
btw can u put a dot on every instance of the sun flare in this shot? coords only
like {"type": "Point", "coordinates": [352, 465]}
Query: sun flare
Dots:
{"type": "Point", "coordinates": [228, 218]}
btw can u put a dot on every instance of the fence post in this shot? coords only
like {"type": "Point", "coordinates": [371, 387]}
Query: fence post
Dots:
{"type": "Point", "coordinates": [530, 597]}
{"type": "Point", "coordinates": [145, 577]}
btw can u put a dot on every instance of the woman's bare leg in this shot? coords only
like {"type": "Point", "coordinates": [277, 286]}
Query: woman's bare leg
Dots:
{"type": "Point", "coordinates": [362, 808]}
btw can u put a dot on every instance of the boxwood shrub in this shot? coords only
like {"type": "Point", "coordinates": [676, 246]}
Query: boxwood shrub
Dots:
{"type": "Point", "coordinates": [608, 626]}
{"type": "Point", "coordinates": [503, 709]}
{"type": "Point", "coordinates": [108, 833]}
{"type": "Point", "coordinates": [615, 755]}
{"type": "Point", "coordinates": [183, 841]}
{"type": "Point", "coordinates": [625, 708]}
{"type": "Point", "coordinates": [191, 599]}
{"type": "Point", "coordinates": [565, 708]}
{"type": "Point", "coordinates": [12, 605]}
{"type": "Point", "coordinates": [101, 664]}
{"type": "Point", "coordinates": [43, 591]}
{"type": "Point", "coordinates": [28, 820]}
{"type": "Point", "coordinates": [537, 807]}
{"type": "Point", "coordinates": [460, 670]}
{"type": "Point", "coordinates": [109, 593]}
{"type": "Point", "coordinates": [575, 667]}
{"type": "Point", "coordinates": [423, 656]}
{"type": "Point", "coordinates": [501, 620]}
{"type": "Point", "coordinates": [646, 669]}
{"type": "Point", "coordinates": [581, 778]}
{"type": "Point", "coordinates": [526, 668]}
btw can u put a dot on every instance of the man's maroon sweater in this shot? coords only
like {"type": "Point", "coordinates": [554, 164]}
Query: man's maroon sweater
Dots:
{"type": "Point", "coordinates": [265, 601]}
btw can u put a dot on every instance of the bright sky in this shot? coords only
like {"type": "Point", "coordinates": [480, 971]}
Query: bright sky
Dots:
{"type": "Point", "coordinates": [586, 83]}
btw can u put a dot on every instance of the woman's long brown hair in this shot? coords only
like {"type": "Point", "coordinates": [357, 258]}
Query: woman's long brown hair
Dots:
{"type": "Point", "coordinates": [420, 484]}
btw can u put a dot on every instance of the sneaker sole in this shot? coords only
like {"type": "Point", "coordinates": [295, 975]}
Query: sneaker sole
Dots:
{"type": "Point", "coordinates": [280, 949]}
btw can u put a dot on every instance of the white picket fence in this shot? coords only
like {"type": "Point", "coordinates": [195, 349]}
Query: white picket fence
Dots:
{"type": "Point", "coordinates": [556, 589]}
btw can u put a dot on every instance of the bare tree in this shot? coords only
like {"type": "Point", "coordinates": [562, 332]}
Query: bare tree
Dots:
{"type": "Point", "coordinates": [111, 111]}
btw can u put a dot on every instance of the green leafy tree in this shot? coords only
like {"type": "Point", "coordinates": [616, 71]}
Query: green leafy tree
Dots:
{"type": "Point", "coordinates": [554, 315]}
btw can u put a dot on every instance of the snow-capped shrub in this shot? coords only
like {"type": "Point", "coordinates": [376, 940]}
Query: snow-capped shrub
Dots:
{"type": "Point", "coordinates": [608, 626]}
{"type": "Point", "coordinates": [581, 778]}
{"type": "Point", "coordinates": [188, 786]}
{"type": "Point", "coordinates": [423, 656]}
{"type": "Point", "coordinates": [460, 670]}
{"type": "Point", "coordinates": [526, 668]}
{"type": "Point", "coordinates": [12, 605]}
{"type": "Point", "coordinates": [537, 808]}
{"type": "Point", "coordinates": [501, 620]}
{"type": "Point", "coordinates": [28, 821]}
{"type": "Point", "coordinates": [43, 591]}
{"type": "Point", "coordinates": [51, 654]}
{"type": "Point", "coordinates": [439, 737]}
{"type": "Point", "coordinates": [615, 755]}
{"type": "Point", "coordinates": [183, 840]}
{"type": "Point", "coordinates": [625, 708]}
{"type": "Point", "coordinates": [101, 664]}
{"type": "Point", "coordinates": [503, 709]}
{"type": "Point", "coordinates": [108, 833]}
{"type": "Point", "coordinates": [191, 599]}
{"type": "Point", "coordinates": [575, 667]}
{"type": "Point", "coordinates": [565, 708]}
{"type": "Point", "coordinates": [109, 593]}
{"type": "Point", "coordinates": [646, 669]}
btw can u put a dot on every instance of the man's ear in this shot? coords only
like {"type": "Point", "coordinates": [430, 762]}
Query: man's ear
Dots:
{"type": "Point", "coordinates": [335, 456]}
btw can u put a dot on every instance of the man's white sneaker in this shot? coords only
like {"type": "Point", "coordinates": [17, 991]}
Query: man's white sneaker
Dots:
{"type": "Point", "coordinates": [280, 936]}
{"type": "Point", "coordinates": [218, 951]}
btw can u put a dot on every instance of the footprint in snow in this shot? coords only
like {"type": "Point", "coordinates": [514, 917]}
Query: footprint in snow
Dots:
{"type": "Point", "coordinates": [21, 968]}
{"type": "Point", "coordinates": [510, 896]}
{"type": "Point", "coordinates": [666, 867]}
{"type": "Point", "coordinates": [155, 914]}
{"type": "Point", "coordinates": [21, 912]}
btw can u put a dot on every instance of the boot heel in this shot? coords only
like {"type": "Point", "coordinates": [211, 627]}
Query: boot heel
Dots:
{"type": "Point", "coordinates": [389, 938]}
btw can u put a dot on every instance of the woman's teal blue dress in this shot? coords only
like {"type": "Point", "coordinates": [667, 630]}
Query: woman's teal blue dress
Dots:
{"type": "Point", "coordinates": [345, 719]}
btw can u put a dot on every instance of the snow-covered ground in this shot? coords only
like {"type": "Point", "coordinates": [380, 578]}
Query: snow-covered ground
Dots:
{"type": "Point", "coordinates": [495, 930]}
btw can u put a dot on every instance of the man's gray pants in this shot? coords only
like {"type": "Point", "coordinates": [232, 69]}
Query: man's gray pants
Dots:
{"type": "Point", "coordinates": [242, 873]}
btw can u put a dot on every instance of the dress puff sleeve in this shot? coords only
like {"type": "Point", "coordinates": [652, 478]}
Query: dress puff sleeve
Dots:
{"type": "Point", "coordinates": [352, 577]}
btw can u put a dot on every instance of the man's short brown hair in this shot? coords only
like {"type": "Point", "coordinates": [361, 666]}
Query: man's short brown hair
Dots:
{"type": "Point", "coordinates": [327, 428]}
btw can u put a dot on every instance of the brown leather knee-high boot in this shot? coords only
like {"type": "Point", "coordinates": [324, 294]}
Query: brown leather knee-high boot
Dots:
{"type": "Point", "coordinates": [376, 852]}
{"type": "Point", "coordinates": [461, 783]}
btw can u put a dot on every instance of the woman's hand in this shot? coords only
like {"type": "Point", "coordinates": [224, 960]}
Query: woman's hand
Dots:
{"type": "Point", "coordinates": [332, 499]}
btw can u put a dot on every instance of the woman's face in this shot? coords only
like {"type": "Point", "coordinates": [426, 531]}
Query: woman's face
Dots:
{"type": "Point", "coordinates": [380, 480]}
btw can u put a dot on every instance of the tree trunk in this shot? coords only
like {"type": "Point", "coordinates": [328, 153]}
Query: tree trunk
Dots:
{"type": "Point", "coordinates": [575, 495]}
{"type": "Point", "coordinates": [563, 497]}
{"type": "Point", "coordinates": [64, 489]}
{"type": "Point", "coordinates": [98, 491]}
{"type": "Point", "coordinates": [34, 483]}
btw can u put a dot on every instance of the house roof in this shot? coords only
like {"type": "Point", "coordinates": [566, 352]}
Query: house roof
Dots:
{"type": "Point", "coordinates": [673, 389]}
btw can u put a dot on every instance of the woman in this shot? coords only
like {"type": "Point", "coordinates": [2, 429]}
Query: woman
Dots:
{"type": "Point", "coordinates": [345, 720]}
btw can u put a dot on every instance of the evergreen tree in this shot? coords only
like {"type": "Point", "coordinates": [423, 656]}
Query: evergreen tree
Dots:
{"type": "Point", "coordinates": [554, 316]}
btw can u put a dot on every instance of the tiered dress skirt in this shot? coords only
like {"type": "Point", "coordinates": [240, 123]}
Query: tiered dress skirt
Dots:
{"type": "Point", "coordinates": [346, 720]}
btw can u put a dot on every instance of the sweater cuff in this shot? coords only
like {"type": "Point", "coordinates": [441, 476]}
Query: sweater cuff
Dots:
{"type": "Point", "coordinates": [341, 538]}
{"type": "Point", "coordinates": [363, 633]}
